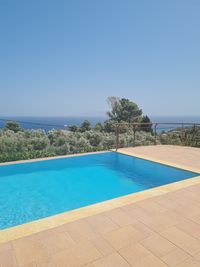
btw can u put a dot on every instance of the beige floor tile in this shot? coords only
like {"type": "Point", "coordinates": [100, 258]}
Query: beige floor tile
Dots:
{"type": "Point", "coordinates": [163, 221]}
{"type": "Point", "coordinates": [173, 215]}
{"type": "Point", "coordinates": [33, 264]}
{"type": "Point", "coordinates": [166, 202]}
{"type": "Point", "coordinates": [175, 257]}
{"type": "Point", "coordinates": [57, 242]}
{"type": "Point", "coordinates": [184, 195]}
{"type": "Point", "coordinates": [137, 255]}
{"type": "Point", "coordinates": [188, 243]}
{"type": "Point", "coordinates": [102, 246]}
{"type": "Point", "coordinates": [5, 247]}
{"type": "Point", "coordinates": [151, 206]}
{"type": "Point", "coordinates": [80, 230]}
{"type": "Point", "coordinates": [187, 206]}
{"type": "Point", "coordinates": [158, 245]}
{"type": "Point", "coordinates": [89, 265]}
{"type": "Point", "coordinates": [123, 237]}
{"type": "Point", "coordinates": [134, 253]}
{"type": "Point", "coordinates": [78, 255]}
{"type": "Point", "coordinates": [197, 256]}
{"type": "Point", "coordinates": [45, 263]}
{"type": "Point", "coordinates": [120, 217]}
{"type": "Point", "coordinates": [189, 263]}
{"type": "Point", "coordinates": [184, 199]}
{"type": "Point", "coordinates": [144, 229]}
{"type": "Point", "coordinates": [101, 224]}
{"type": "Point", "coordinates": [140, 214]}
{"type": "Point", "coordinates": [28, 250]}
{"type": "Point", "coordinates": [195, 219]}
{"type": "Point", "coordinates": [190, 227]}
{"type": "Point", "coordinates": [150, 261]}
{"type": "Point", "coordinates": [7, 259]}
{"type": "Point", "coordinates": [188, 210]}
{"type": "Point", "coordinates": [145, 261]}
{"type": "Point", "coordinates": [112, 260]}
{"type": "Point", "coordinates": [192, 195]}
{"type": "Point", "coordinates": [45, 234]}
{"type": "Point", "coordinates": [129, 207]}
{"type": "Point", "coordinates": [194, 189]}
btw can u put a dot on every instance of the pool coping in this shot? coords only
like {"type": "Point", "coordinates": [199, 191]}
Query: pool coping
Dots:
{"type": "Point", "coordinates": [57, 220]}
{"type": "Point", "coordinates": [51, 158]}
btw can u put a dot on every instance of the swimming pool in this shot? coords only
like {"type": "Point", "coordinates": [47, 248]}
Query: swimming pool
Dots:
{"type": "Point", "coordinates": [34, 190]}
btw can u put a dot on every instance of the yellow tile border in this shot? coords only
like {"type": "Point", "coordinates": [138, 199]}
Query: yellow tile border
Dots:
{"type": "Point", "coordinates": [70, 216]}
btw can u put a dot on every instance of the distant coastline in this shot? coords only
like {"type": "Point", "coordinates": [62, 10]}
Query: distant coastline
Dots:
{"type": "Point", "coordinates": [48, 123]}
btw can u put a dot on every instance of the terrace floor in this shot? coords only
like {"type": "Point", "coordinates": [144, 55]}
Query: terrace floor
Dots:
{"type": "Point", "coordinates": [180, 155]}
{"type": "Point", "coordinates": [159, 231]}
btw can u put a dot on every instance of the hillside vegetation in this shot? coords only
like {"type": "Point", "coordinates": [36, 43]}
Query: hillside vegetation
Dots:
{"type": "Point", "coordinates": [17, 143]}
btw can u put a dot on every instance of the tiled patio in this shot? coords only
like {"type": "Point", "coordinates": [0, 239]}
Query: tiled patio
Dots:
{"type": "Point", "coordinates": [180, 155]}
{"type": "Point", "coordinates": [156, 232]}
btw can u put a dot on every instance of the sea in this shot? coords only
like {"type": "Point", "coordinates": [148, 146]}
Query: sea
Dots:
{"type": "Point", "coordinates": [49, 123]}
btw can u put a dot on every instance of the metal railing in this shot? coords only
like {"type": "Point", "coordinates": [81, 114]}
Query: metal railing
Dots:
{"type": "Point", "coordinates": [189, 133]}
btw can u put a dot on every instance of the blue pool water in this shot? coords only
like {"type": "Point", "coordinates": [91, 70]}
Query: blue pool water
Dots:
{"type": "Point", "coordinates": [30, 191]}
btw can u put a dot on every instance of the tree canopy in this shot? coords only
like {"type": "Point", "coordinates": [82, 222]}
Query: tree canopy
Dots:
{"type": "Point", "coordinates": [123, 110]}
{"type": "Point", "coordinates": [13, 126]}
{"type": "Point", "coordinates": [85, 126]}
{"type": "Point", "coordinates": [146, 124]}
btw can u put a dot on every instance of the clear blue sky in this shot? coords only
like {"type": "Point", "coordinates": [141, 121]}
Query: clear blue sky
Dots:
{"type": "Point", "coordinates": [65, 57]}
